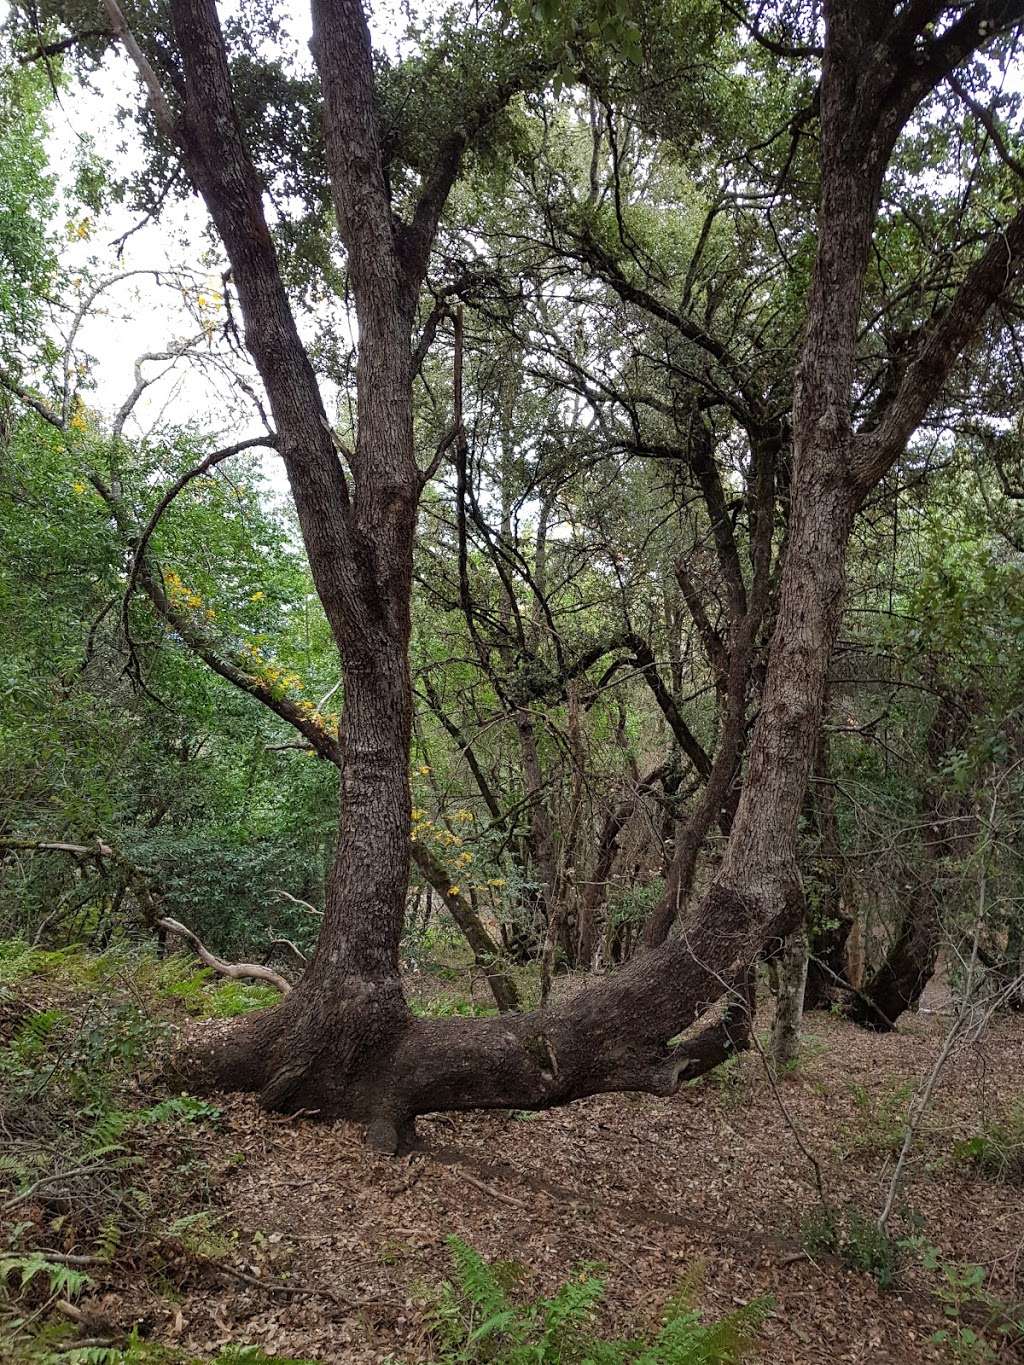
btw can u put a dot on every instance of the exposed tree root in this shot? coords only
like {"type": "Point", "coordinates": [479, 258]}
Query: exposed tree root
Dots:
{"type": "Point", "coordinates": [358, 1053]}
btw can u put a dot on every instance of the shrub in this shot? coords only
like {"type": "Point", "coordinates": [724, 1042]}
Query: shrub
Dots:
{"type": "Point", "coordinates": [856, 1238]}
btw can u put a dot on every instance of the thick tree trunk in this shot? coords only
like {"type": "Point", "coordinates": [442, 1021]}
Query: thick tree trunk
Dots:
{"type": "Point", "coordinates": [899, 982]}
{"type": "Point", "coordinates": [344, 1043]}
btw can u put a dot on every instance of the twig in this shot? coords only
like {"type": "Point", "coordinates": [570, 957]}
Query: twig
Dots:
{"type": "Point", "coordinates": [489, 1189]}
{"type": "Point", "coordinates": [276, 891]}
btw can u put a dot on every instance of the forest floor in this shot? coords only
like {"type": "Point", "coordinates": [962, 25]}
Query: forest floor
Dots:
{"type": "Point", "coordinates": [317, 1248]}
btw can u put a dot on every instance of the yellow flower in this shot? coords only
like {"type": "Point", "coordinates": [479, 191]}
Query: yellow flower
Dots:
{"type": "Point", "coordinates": [257, 597]}
{"type": "Point", "coordinates": [453, 891]}
{"type": "Point", "coordinates": [417, 813]}
{"type": "Point", "coordinates": [496, 881]}
{"type": "Point", "coordinates": [77, 421]}
{"type": "Point", "coordinates": [79, 486]}
{"type": "Point", "coordinates": [423, 770]}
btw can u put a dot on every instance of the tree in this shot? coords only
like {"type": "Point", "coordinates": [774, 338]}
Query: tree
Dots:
{"type": "Point", "coordinates": [344, 1041]}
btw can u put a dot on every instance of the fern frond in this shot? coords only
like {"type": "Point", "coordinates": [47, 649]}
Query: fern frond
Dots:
{"type": "Point", "coordinates": [62, 1279]}
{"type": "Point", "coordinates": [476, 1280]}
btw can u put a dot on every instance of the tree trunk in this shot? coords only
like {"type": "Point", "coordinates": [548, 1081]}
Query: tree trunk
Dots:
{"type": "Point", "coordinates": [791, 976]}
{"type": "Point", "coordinates": [899, 982]}
{"type": "Point", "coordinates": [830, 925]}
{"type": "Point", "coordinates": [344, 1043]}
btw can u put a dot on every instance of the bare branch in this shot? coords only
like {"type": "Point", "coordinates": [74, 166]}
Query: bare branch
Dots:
{"type": "Point", "coordinates": [238, 971]}
{"type": "Point", "coordinates": [156, 98]}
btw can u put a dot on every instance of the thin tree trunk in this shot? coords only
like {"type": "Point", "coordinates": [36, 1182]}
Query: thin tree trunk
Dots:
{"type": "Point", "coordinates": [791, 976]}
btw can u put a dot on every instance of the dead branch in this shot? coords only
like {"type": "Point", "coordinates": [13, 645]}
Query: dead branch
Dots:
{"type": "Point", "coordinates": [235, 970]}
{"type": "Point", "coordinates": [276, 891]}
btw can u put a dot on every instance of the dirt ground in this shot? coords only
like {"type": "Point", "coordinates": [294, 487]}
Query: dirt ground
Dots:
{"type": "Point", "coordinates": [335, 1246]}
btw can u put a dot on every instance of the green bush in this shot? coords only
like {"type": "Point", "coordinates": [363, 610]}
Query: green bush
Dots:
{"type": "Point", "coordinates": [856, 1239]}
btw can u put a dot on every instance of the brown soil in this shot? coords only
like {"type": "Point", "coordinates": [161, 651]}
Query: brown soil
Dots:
{"type": "Point", "coordinates": [643, 1186]}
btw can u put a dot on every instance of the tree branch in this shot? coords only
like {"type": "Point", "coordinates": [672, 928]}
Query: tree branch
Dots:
{"type": "Point", "coordinates": [236, 970]}
{"type": "Point", "coordinates": [998, 272]}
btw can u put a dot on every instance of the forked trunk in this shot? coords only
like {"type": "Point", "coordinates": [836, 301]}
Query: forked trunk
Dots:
{"type": "Point", "coordinates": [344, 1042]}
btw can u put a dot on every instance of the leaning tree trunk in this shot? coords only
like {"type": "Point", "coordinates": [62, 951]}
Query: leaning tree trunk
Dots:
{"type": "Point", "coordinates": [899, 982]}
{"type": "Point", "coordinates": [343, 1042]}
{"type": "Point", "coordinates": [791, 978]}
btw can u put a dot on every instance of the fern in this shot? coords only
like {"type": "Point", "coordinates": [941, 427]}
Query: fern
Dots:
{"type": "Point", "coordinates": [93, 1355]}
{"type": "Point", "coordinates": [475, 1320]}
{"type": "Point", "coordinates": [62, 1279]}
{"type": "Point", "coordinates": [569, 1313]}
{"type": "Point", "coordinates": [18, 960]}
{"type": "Point", "coordinates": [109, 1238]}
{"type": "Point", "coordinates": [31, 1039]}
{"type": "Point", "coordinates": [231, 998]}
{"type": "Point", "coordinates": [184, 1107]}
{"type": "Point", "coordinates": [478, 1281]}
{"type": "Point", "coordinates": [106, 1132]}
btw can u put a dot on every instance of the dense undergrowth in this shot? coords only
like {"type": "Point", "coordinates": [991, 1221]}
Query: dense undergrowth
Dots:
{"type": "Point", "coordinates": [111, 1176]}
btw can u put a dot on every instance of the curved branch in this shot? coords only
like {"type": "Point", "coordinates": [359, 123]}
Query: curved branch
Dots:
{"type": "Point", "coordinates": [270, 441]}
{"type": "Point", "coordinates": [236, 970]}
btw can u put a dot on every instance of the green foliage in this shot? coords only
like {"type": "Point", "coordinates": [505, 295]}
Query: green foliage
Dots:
{"type": "Point", "coordinates": [69, 1104]}
{"type": "Point", "coordinates": [880, 1118]}
{"type": "Point", "coordinates": [979, 1322]}
{"type": "Point", "coordinates": [26, 204]}
{"type": "Point", "coordinates": [855, 1237]}
{"type": "Point", "coordinates": [997, 1148]}
{"type": "Point", "coordinates": [62, 1280]}
{"type": "Point", "coordinates": [207, 995]}
{"type": "Point", "coordinates": [477, 1318]}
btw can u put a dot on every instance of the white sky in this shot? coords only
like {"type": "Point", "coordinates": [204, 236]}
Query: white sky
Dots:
{"type": "Point", "coordinates": [139, 315]}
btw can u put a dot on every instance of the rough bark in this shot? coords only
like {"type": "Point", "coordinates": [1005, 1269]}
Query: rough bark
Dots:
{"type": "Point", "coordinates": [791, 976]}
{"type": "Point", "coordinates": [344, 1042]}
{"type": "Point", "coordinates": [900, 980]}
